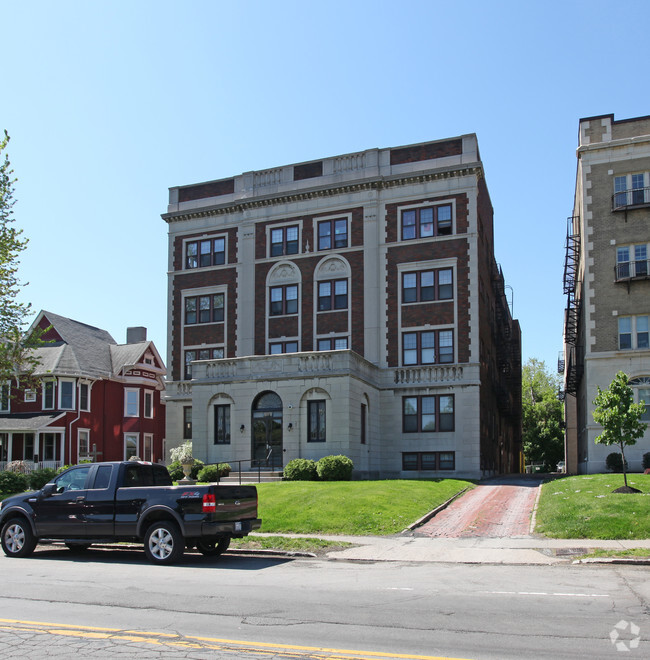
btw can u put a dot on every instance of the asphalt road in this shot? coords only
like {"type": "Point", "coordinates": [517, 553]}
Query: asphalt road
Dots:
{"type": "Point", "coordinates": [112, 604]}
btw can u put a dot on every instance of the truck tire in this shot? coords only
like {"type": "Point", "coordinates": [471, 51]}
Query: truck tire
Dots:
{"type": "Point", "coordinates": [164, 543]}
{"type": "Point", "coordinates": [213, 547]}
{"type": "Point", "coordinates": [18, 539]}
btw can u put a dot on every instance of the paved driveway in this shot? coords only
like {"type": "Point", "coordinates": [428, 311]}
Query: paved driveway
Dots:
{"type": "Point", "coordinates": [497, 508]}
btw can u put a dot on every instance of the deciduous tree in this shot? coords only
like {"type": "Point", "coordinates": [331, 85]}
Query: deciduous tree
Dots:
{"type": "Point", "coordinates": [620, 418]}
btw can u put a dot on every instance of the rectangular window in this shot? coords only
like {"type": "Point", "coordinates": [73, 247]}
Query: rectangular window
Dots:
{"type": "Point", "coordinates": [644, 397]}
{"type": "Point", "coordinates": [428, 347]}
{"type": "Point", "coordinates": [427, 222]}
{"type": "Point", "coordinates": [427, 414]}
{"type": "Point", "coordinates": [279, 347]}
{"type": "Point", "coordinates": [283, 300]}
{"type": "Point", "coordinates": [204, 253]}
{"type": "Point", "coordinates": [364, 414]}
{"type": "Point", "coordinates": [332, 294]}
{"type": "Point", "coordinates": [49, 446]}
{"type": "Point", "coordinates": [316, 428]}
{"type": "Point", "coordinates": [66, 394]}
{"type": "Point", "coordinates": [222, 425]}
{"type": "Point", "coordinates": [147, 448]}
{"type": "Point", "coordinates": [83, 445]}
{"type": "Point", "coordinates": [633, 333]}
{"type": "Point", "coordinates": [201, 354]}
{"type": "Point", "coordinates": [28, 448]}
{"type": "Point", "coordinates": [148, 404]}
{"type": "Point", "coordinates": [131, 403]}
{"type": "Point", "coordinates": [333, 234]}
{"type": "Point", "coordinates": [204, 309]}
{"type": "Point", "coordinates": [84, 397]}
{"type": "Point", "coordinates": [333, 344]}
{"type": "Point", "coordinates": [187, 422]}
{"type": "Point", "coordinates": [131, 445]}
{"type": "Point", "coordinates": [4, 397]}
{"type": "Point", "coordinates": [48, 395]}
{"type": "Point", "coordinates": [427, 285]}
{"type": "Point", "coordinates": [284, 241]}
{"type": "Point", "coordinates": [432, 460]}
{"type": "Point", "coordinates": [30, 396]}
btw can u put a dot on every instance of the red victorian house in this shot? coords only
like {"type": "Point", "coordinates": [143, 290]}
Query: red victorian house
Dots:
{"type": "Point", "coordinates": [96, 399]}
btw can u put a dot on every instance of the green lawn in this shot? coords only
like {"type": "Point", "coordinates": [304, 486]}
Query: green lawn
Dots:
{"type": "Point", "coordinates": [584, 507]}
{"type": "Point", "coordinates": [350, 507]}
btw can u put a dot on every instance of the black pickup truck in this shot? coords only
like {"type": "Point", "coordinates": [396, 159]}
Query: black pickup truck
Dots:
{"type": "Point", "coordinates": [128, 501]}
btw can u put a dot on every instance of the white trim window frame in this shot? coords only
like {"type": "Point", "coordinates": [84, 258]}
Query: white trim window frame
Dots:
{"type": "Point", "coordinates": [49, 394]}
{"type": "Point", "coordinates": [196, 353]}
{"type": "Point", "coordinates": [418, 220]}
{"type": "Point", "coordinates": [131, 402]}
{"type": "Point", "coordinates": [148, 404]}
{"type": "Point", "coordinates": [67, 393]}
{"type": "Point", "coordinates": [83, 445]}
{"type": "Point", "coordinates": [147, 447]}
{"type": "Point", "coordinates": [212, 249]}
{"type": "Point", "coordinates": [30, 396]}
{"type": "Point", "coordinates": [632, 189]}
{"type": "Point", "coordinates": [84, 397]}
{"type": "Point", "coordinates": [217, 298]}
{"type": "Point", "coordinates": [131, 445]}
{"type": "Point", "coordinates": [289, 243]}
{"type": "Point", "coordinates": [5, 397]}
{"type": "Point", "coordinates": [333, 223]}
{"type": "Point", "coordinates": [633, 333]}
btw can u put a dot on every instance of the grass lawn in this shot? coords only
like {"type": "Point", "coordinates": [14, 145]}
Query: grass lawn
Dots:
{"type": "Point", "coordinates": [314, 546]}
{"type": "Point", "coordinates": [350, 507]}
{"type": "Point", "coordinates": [584, 507]}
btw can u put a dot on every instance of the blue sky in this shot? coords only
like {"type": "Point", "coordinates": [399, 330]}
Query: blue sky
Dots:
{"type": "Point", "coordinates": [108, 104]}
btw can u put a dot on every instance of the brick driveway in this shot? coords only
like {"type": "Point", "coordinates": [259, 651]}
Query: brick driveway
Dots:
{"type": "Point", "coordinates": [499, 508]}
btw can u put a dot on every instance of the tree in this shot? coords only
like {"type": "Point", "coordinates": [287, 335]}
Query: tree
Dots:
{"type": "Point", "coordinates": [16, 355]}
{"type": "Point", "coordinates": [620, 418]}
{"type": "Point", "coordinates": [542, 414]}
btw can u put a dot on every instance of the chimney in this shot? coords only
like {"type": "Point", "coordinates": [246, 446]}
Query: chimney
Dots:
{"type": "Point", "coordinates": [136, 335]}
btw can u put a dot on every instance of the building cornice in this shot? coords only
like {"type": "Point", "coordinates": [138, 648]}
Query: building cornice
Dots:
{"type": "Point", "coordinates": [380, 183]}
{"type": "Point", "coordinates": [613, 144]}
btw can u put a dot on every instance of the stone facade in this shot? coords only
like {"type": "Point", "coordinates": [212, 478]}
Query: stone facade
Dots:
{"type": "Point", "coordinates": [607, 281]}
{"type": "Point", "coordinates": [350, 305]}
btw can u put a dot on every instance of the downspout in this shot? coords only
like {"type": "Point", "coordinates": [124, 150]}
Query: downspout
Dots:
{"type": "Point", "coordinates": [74, 421]}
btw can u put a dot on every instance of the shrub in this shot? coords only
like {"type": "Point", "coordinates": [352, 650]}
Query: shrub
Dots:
{"type": "Point", "coordinates": [300, 469]}
{"type": "Point", "coordinates": [38, 478]}
{"type": "Point", "coordinates": [646, 460]}
{"type": "Point", "coordinates": [176, 470]}
{"type": "Point", "coordinates": [213, 473]}
{"type": "Point", "coordinates": [13, 482]}
{"type": "Point", "coordinates": [23, 467]}
{"type": "Point", "coordinates": [335, 468]}
{"type": "Point", "coordinates": [614, 462]}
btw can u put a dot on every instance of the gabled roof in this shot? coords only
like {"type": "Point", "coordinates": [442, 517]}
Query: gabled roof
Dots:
{"type": "Point", "coordinates": [82, 350]}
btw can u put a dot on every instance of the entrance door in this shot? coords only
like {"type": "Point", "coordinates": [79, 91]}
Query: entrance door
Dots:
{"type": "Point", "coordinates": [267, 430]}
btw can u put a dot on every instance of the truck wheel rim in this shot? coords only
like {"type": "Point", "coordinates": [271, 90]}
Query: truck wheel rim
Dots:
{"type": "Point", "coordinates": [15, 538]}
{"type": "Point", "coordinates": [161, 544]}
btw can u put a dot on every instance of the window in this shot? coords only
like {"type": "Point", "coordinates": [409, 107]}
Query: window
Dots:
{"type": "Point", "coordinates": [333, 344]}
{"type": "Point", "coordinates": [187, 422]}
{"type": "Point", "coordinates": [201, 354]}
{"type": "Point", "coordinates": [48, 395]}
{"type": "Point", "coordinates": [148, 404]}
{"type": "Point", "coordinates": [222, 425]}
{"type": "Point", "coordinates": [278, 347]}
{"type": "Point", "coordinates": [83, 444]}
{"type": "Point", "coordinates": [316, 421]}
{"type": "Point", "coordinates": [84, 396]}
{"type": "Point", "coordinates": [427, 285]}
{"type": "Point", "coordinates": [284, 240]}
{"type": "Point", "coordinates": [432, 460]}
{"type": "Point", "coordinates": [28, 447]}
{"type": "Point", "coordinates": [131, 403]}
{"type": "Point", "coordinates": [633, 332]}
{"type": "Point", "coordinates": [131, 442]}
{"type": "Point", "coordinates": [284, 300]}
{"type": "Point", "coordinates": [627, 268]}
{"type": "Point", "coordinates": [147, 449]}
{"type": "Point", "coordinates": [208, 252]}
{"type": "Point", "coordinates": [631, 189]}
{"type": "Point", "coordinates": [428, 414]}
{"type": "Point", "coordinates": [204, 309]}
{"type": "Point", "coordinates": [642, 387]}
{"type": "Point", "coordinates": [426, 222]}
{"type": "Point", "coordinates": [66, 394]}
{"type": "Point", "coordinates": [5, 390]}
{"type": "Point", "coordinates": [30, 396]}
{"type": "Point", "coordinates": [333, 234]}
{"type": "Point", "coordinates": [332, 294]}
{"type": "Point", "coordinates": [102, 477]}
{"type": "Point", "coordinates": [364, 417]}
{"type": "Point", "coordinates": [49, 446]}
{"type": "Point", "coordinates": [428, 347]}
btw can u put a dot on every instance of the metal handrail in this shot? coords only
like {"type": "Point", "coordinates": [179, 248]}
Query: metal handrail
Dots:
{"type": "Point", "coordinates": [629, 270]}
{"type": "Point", "coordinates": [633, 197]}
{"type": "Point", "coordinates": [260, 465]}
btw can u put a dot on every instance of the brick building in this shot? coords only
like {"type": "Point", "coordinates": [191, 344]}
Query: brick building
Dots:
{"type": "Point", "coordinates": [607, 282]}
{"type": "Point", "coordinates": [350, 305]}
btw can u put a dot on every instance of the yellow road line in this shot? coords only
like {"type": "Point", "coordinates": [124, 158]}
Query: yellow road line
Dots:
{"type": "Point", "coordinates": [212, 643]}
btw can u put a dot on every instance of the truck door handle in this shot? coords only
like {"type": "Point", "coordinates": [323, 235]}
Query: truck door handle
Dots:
{"type": "Point", "coordinates": [80, 498]}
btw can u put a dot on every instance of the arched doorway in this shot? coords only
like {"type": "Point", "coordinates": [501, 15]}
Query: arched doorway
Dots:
{"type": "Point", "coordinates": [267, 430]}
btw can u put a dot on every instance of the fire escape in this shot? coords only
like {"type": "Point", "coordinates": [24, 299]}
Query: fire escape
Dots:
{"type": "Point", "coordinates": [572, 368]}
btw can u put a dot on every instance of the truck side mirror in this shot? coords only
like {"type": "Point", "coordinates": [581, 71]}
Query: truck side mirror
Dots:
{"type": "Point", "coordinates": [49, 489]}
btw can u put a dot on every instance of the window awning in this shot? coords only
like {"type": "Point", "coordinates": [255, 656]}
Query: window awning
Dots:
{"type": "Point", "coordinates": [25, 423]}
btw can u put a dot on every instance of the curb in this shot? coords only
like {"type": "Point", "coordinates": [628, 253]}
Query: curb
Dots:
{"type": "Point", "coordinates": [639, 561]}
{"type": "Point", "coordinates": [427, 516]}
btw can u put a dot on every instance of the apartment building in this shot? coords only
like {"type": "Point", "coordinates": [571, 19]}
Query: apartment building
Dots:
{"type": "Point", "coordinates": [607, 282]}
{"type": "Point", "coordinates": [350, 305]}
